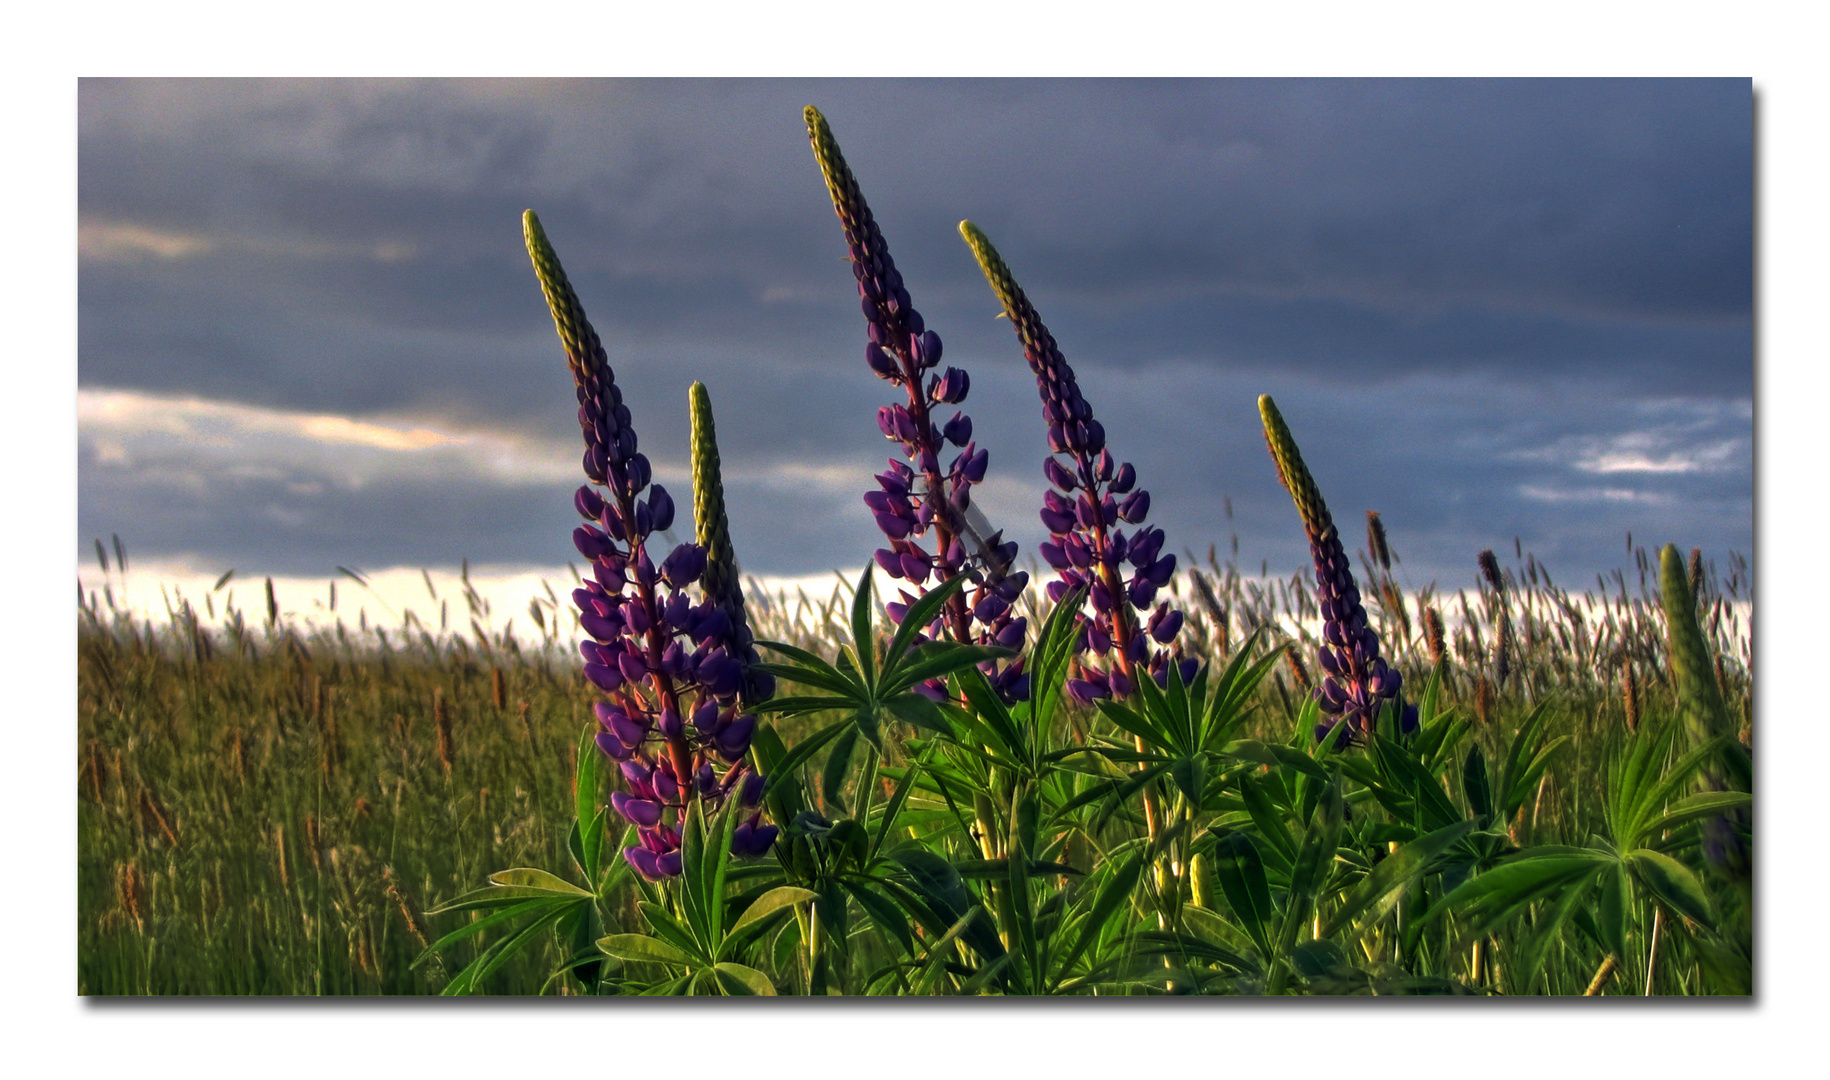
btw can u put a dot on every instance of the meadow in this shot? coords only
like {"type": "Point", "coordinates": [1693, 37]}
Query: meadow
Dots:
{"type": "Point", "coordinates": [1149, 774]}
{"type": "Point", "coordinates": [265, 810]}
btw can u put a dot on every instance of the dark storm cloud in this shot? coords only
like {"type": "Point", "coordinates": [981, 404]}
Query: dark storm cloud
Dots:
{"type": "Point", "coordinates": [354, 248]}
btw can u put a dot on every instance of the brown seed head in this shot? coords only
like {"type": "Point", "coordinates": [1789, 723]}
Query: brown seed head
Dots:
{"type": "Point", "coordinates": [447, 742]}
{"type": "Point", "coordinates": [1490, 572]}
{"type": "Point", "coordinates": [133, 894]}
{"type": "Point", "coordinates": [1297, 671]}
{"type": "Point", "coordinates": [1375, 541]}
{"type": "Point", "coordinates": [1629, 690]}
{"type": "Point", "coordinates": [1484, 700]}
{"type": "Point", "coordinates": [1433, 634]}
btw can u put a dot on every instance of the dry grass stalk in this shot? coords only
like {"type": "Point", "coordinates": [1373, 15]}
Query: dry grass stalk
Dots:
{"type": "Point", "coordinates": [133, 894]}
{"type": "Point", "coordinates": [365, 952]}
{"type": "Point", "coordinates": [238, 757]}
{"type": "Point", "coordinates": [409, 912]}
{"type": "Point", "coordinates": [447, 742]}
{"type": "Point", "coordinates": [527, 726]}
{"type": "Point", "coordinates": [330, 739]}
{"type": "Point", "coordinates": [95, 772]}
{"type": "Point", "coordinates": [279, 847]}
{"type": "Point", "coordinates": [498, 689]}
{"type": "Point", "coordinates": [314, 842]}
{"type": "Point", "coordinates": [1629, 692]}
{"type": "Point", "coordinates": [156, 819]}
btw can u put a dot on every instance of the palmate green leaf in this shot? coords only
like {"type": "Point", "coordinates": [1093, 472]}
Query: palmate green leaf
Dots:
{"type": "Point", "coordinates": [838, 763]}
{"type": "Point", "coordinates": [1110, 788]}
{"type": "Point", "coordinates": [1489, 899]}
{"type": "Point", "coordinates": [994, 724]}
{"type": "Point", "coordinates": [919, 615]}
{"type": "Point", "coordinates": [491, 960]}
{"type": "Point", "coordinates": [1679, 776]}
{"type": "Point", "coordinates": [1141, 725]}
{"type": "Point", "coordinates": [1519, 752]}
{"type": "Point", "coordinates": [920, 711]}
{"type": "Point", "coordinates": [1049, 659]}
{"type": "Point", "coordinates": [864, 643]}
{"type": "Point", "coordinates": [1214, 927]}
{"type": "Point", "coordinates": [495, 897]}
{"type": "Point", "coordinates": [1545, 935]}
{"type": "Point", "coordinates": [1268, 819]}
{"type": "Point", "coordinates": [936, 880]}
{"type": "Point", "coordinates": [1526, 785]}
{"type": "Point", "coordinates": [1673, 883]}
{"type": "Point", "coordinates": [936, 660]}
{"type": "Point", "coordinates": [671, 930]}
{"type": "Point", "coordinates": [1240, 871]}
{"type": "Point", "coordinates": [899, 798]}
{"type": "Point", "coordinates": [883, 911]}
{"type": "Point", "coordinates": [1189, 775]}
{"type": "Point", "coordinates": [692, 893]}
{"type": "Point", "coordinates": [1705, 804]}
{"type": "Point", "coordinates": [1474, 783]}
{"type": "Point", "coordinates": [1310, 869]}
{"type": "Point", "coordinates": [718, 861]}
{"type": "Point", "coordinates": [825, 677]}
{"type": "Point", "coordinates": [587, 803]}
{"type": "Point", "coordinates": [736, 980]}
{"type": "Point", "coordinates": [1174, 731]}
{"type": "Point", "coordinates": [642, 949]}
{"type": "Point", "coordinates": [802, 705]}
{"type": "Point", "coordinates": [489, 922]}
{"type": "Point", "coordinates": [1264, 754]}
{"type": "Point", "coordinates": [1611, 910]}
{"type": "Point", "coordinates": [528, 877]}
{"type": "Point", "coordinates": [1107, 904]}
{"type": "Point", "coordinates": [791, 762]}
{"type": "Point", "coordinates": [936, 956]}
{"type": "Point", "coordinates": [1379, 891]}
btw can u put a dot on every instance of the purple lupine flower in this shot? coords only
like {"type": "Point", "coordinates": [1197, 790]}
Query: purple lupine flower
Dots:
{"type": "Point", "coordinates": [1130, 628]}
{"type": "Point", "coordinates": [924, 502]}
{"type": "Point", "coordinates": [1358, 684]}
{"type": "Point", "coordinates": [658, 656]}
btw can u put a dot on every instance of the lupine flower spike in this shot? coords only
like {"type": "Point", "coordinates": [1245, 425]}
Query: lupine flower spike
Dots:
{"type": "Point", "coordinates": [924, 509]}
{"type": "Point", "coordinates": [1093, 495]}
{"type": "Point", "coordinates": [1358, 683]}
{"type": "Point", "coordinates": [659, 659]}
{"type": "Point", "coordinates": [722, 585]}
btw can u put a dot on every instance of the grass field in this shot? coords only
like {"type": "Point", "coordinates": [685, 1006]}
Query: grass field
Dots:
{"type": "Point", "coordinates": [264, 811]}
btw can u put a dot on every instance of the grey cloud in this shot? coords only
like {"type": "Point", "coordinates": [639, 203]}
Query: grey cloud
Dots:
{"type": "Point", "coordinates": [1417, 265]}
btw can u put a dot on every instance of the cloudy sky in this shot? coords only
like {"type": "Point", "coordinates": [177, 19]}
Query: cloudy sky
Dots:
{"type": "Point", "coordinates": [309, 334]}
